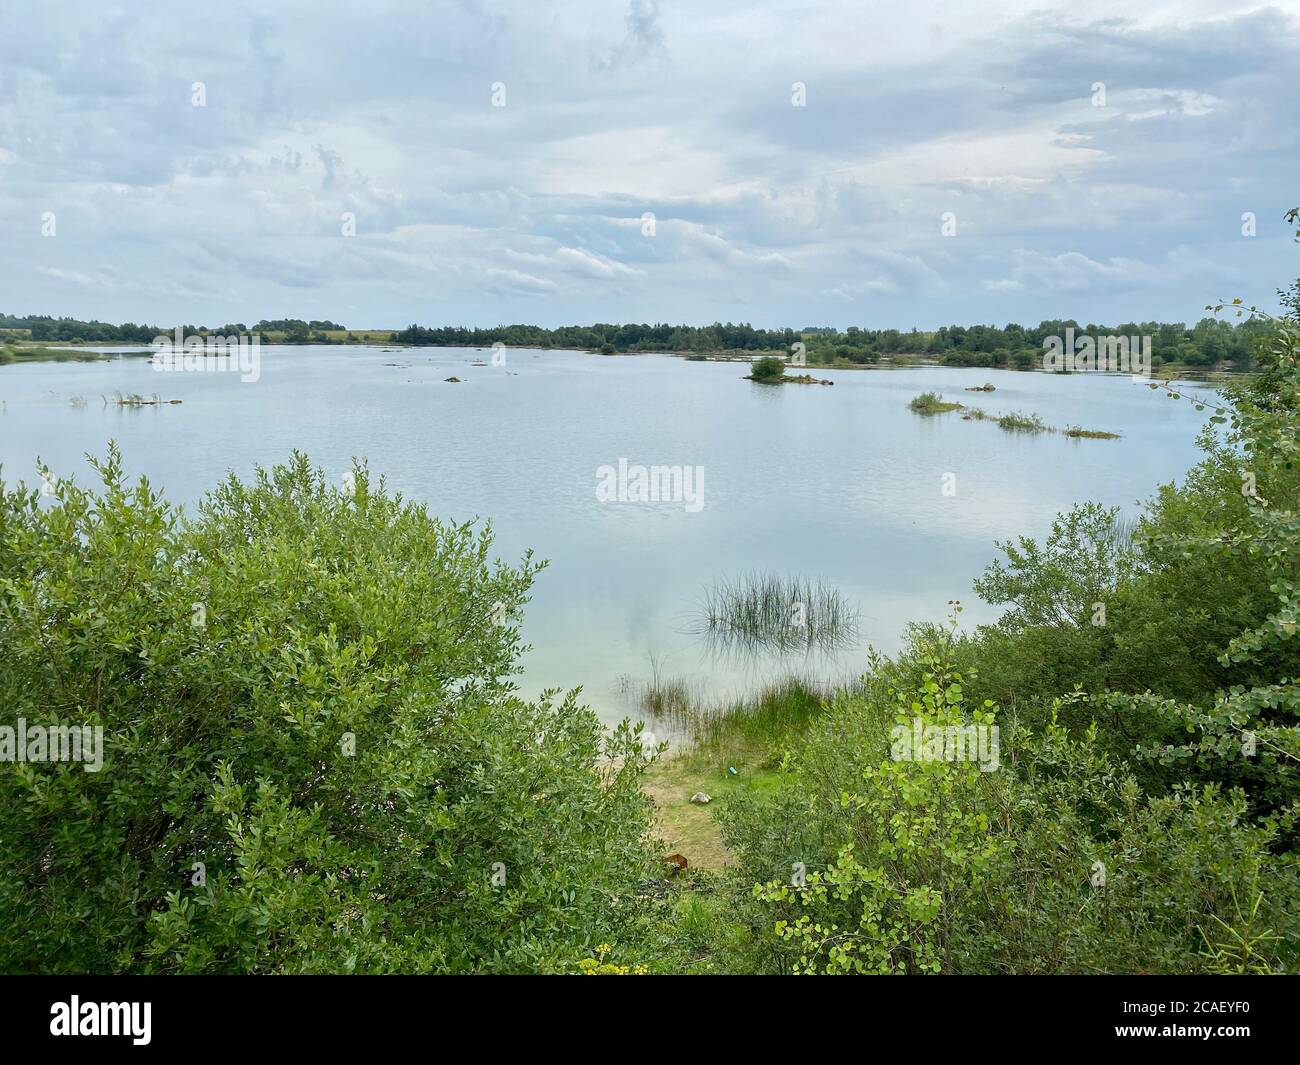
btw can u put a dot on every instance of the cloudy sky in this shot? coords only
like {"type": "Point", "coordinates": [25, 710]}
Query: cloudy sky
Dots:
{"type": "Point", "coordinates": [763, 211]}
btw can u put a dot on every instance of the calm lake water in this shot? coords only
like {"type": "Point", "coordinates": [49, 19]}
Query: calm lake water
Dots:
{"type": "Point", "coordinates": [842, 484]}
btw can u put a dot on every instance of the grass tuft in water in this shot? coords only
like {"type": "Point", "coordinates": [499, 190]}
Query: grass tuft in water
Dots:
{"type": "Point", "coordinates": [134, 399]}
{"type": "Point", "coordinates": [931, 403]}
{"type": "Point", "coordinates": [1088, 434]}
{"type": "Point", "coordinates": [770, 612]}
{"type": "Point", "coordinates": [1022, 423]}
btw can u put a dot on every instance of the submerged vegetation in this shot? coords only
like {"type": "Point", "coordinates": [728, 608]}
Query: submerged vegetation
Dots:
{"type": "Point", "coordinates": [1022, 423]}
{"type": "Point", "coordinates": [1015, 422]}
{"type": "Point", "coordinates": [662, 698]}
{"type": "Point", "coordinates": [1088, 434]}
{"type": "Point", "coordinates": [753, 732]}
{"type": "Point", "coordinates": [135, 399]}
{"type": "Point", "coordinates": [766, 612]}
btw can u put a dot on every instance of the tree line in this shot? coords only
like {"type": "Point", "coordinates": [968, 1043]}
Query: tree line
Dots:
{"type": "Point", "coordinates": [45, 328]}
{"type": "Point", "coordinates": [1209, 342]}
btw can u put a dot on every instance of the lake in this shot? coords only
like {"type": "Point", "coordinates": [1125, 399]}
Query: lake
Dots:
{"type": "Point", "coordinates": [842, 484]}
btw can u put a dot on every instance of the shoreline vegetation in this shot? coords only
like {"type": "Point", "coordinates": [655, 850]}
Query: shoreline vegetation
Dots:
{"type": "Point", "coordinates": [928, 404]}
{"type": "Point", "coordinates": [1210, 346]}
{"type": "Point", "coordinates": [11, 354]}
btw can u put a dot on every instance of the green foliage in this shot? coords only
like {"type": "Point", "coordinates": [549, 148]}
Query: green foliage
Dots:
{"type": "Point", "coordinates": [11, 354]}
{"type": "Point", "coordinates": [1022, 423]}
{"type": "Point", "coordinates": [1079, 565]}
{"type": "Point", "coordinates": [1057, 862]}
{"type": "Point", "coordinates": [1077, 432]}
{"type": "Point", "coordinates": [305, 698]}
{"type": "Point", "coordinates": [931, 403]}
{"type": "Point", "coordinates": [1176, 634]}
{"type": "Point", "coordinates": [754, 731]}
{"type": "Point", "coordinates": [1013, 346]}
{"type": "Point", "coordinates": [768, 368]}
{"type": "Point", "coordinates": [630, 336]}
{"type": "Point", "coordinates": [1144, 815]}
{"type": "Point", "coordinates": [920, 836]}
{"type": "Point", "coordinates": [1259, 715]}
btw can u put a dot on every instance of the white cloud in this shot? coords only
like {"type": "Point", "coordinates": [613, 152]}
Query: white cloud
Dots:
{"type": "Point", "coordinates": [767, 212]}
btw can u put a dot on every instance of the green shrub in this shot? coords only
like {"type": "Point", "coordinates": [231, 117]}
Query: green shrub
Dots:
{"type": "Point", "coordinates": [920, 839]}
{"type": "Point", "coordinates": [314, 759]}
{"type": "Point", "coordinates": [1056, 862]}
{"type": "Point", "coordinates": [768, 368]}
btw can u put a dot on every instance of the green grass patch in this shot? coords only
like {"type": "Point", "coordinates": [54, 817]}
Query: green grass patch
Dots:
{"type": "Point", "coordinates": [1022, 423]}
{"type": "Point", "coordinates": [931, 403]}
{"type": "Point", "coordinates": [732, 750]}
{"type": "Point", "coordinates": [1088, 434]}
{"type": "Point", "coordinates": [753, 733]}
{"type": "Point", "coordinates": [688, 828]}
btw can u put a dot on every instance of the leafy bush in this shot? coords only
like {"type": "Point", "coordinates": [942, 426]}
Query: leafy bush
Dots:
{"type": "Point", "coordinates": [1056, 862]}
{"type": "Point", "coordinates": [768, 368]}
{"type": "Point", "coordinates": [314, 759]}
{"type": "Point", "coordinates": [919, 836]}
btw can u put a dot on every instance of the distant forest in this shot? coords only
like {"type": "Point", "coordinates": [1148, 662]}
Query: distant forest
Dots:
{"type": "Point", "coordinates": [43, 328]}
{"type": "Point", "coordinates": [1210, 342]}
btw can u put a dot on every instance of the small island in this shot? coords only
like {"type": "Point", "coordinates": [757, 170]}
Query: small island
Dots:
{"type": "Point", "coordinates": [770, 370]}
